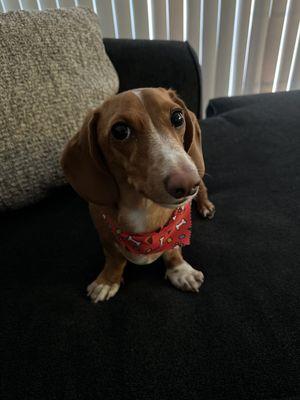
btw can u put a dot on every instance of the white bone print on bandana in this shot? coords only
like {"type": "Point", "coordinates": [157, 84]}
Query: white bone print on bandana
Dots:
{"type": "Point", "coordinates": [130, 239]}
{"type": "Point", "coordinates": [182, 222]}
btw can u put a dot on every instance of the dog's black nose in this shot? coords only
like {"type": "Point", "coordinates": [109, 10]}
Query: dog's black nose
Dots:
{"type": "Point", "coordinates": [182, 184]}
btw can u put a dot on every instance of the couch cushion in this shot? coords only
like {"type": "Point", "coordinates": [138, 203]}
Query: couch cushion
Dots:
{"type": "Point", "coordinates": [235, 339]}
{"type": "Point", "coordinates": [53, 67]}
{"type": "Point", "coordinates": [152, 63]}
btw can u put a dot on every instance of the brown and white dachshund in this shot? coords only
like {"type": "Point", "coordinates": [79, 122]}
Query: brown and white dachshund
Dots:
{"type": "Point", "coordinates": [136, 159]}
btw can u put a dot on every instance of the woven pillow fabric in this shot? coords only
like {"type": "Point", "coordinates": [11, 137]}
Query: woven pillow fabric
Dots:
{"type": "Point", "coordinates": [53, 68]}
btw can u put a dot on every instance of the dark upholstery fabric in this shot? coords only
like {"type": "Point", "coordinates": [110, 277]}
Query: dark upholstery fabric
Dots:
{"type": "Point", "coordinates": [139, 63]}
{"type": "Point", "coordinates": [269, 100]}
{"type": "Point", "coordinates": [235, 339]}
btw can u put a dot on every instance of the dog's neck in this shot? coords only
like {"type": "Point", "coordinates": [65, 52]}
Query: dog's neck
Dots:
{"type": "Point", "coordinates": [138, 214]}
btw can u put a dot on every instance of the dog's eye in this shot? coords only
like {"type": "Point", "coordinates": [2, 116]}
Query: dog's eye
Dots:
{"type": "Point", "coordinates": [177, 119]}
{"type": "Point", "coordinates": [120, 131]}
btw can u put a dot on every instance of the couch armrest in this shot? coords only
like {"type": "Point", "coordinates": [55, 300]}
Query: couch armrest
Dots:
{"type": "Point", "coordinates": [153, 63]}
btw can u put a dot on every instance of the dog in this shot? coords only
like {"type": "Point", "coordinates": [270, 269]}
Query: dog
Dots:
{"type": "Point", "coordinates": [138, 162]}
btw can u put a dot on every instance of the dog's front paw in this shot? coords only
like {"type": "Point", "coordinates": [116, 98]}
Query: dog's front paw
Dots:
{"type": "Point", "coordinates": [102, 291]}
{"type": "Point", "coordinates": [206, 209]}
{"type": "Point", "coordinates": [185, 277]}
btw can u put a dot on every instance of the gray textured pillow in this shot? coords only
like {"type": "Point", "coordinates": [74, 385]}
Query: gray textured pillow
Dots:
{"type": "Point", "coordinates": [53, 67]}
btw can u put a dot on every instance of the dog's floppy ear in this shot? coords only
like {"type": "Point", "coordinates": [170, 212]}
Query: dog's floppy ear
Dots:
{"type": "Point", "coordinates": [192, 135]}
{"type": "Point", "coordinates": [85, 167]}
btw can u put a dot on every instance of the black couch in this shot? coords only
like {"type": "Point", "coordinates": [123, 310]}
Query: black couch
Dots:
{"type": "Point", "coordinates": [235, 339]}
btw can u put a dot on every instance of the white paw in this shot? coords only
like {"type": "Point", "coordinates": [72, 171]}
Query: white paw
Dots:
{"type": "Point", "coordinates": [185, 277]}
{"type": "Point", "coordinates": [102, 291]}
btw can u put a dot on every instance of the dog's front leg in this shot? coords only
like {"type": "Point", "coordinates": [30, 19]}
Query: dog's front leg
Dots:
{"type": "Point", "coordinates": [181, 274]}
{"type": "Point", "coordinates": [108, 281]}
{"type": "Point", "coordinates": [204, 205]}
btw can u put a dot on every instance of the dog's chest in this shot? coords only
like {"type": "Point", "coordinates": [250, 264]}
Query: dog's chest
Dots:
{"type": "Point", "coordinates": [141, 220]}
{"type": "Point", "coordinates": [138, 259]}
{"type": "Point", "coordinates": [135, 220]}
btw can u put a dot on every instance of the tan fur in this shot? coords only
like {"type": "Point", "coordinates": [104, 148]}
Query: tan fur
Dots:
{"type": "Point", "coordinates": [124, 180]}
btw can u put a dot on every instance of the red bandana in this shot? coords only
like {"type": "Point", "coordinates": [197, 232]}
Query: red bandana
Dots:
{"type": "Point", "coordinates": [176, 233]}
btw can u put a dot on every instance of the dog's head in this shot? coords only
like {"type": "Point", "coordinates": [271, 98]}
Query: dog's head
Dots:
{"type": "Point", "coordinates": [145, 138]}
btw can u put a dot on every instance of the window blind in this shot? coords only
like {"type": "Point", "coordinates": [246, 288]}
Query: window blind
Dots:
{"type": "Point", "coordinates": [244, 46]}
